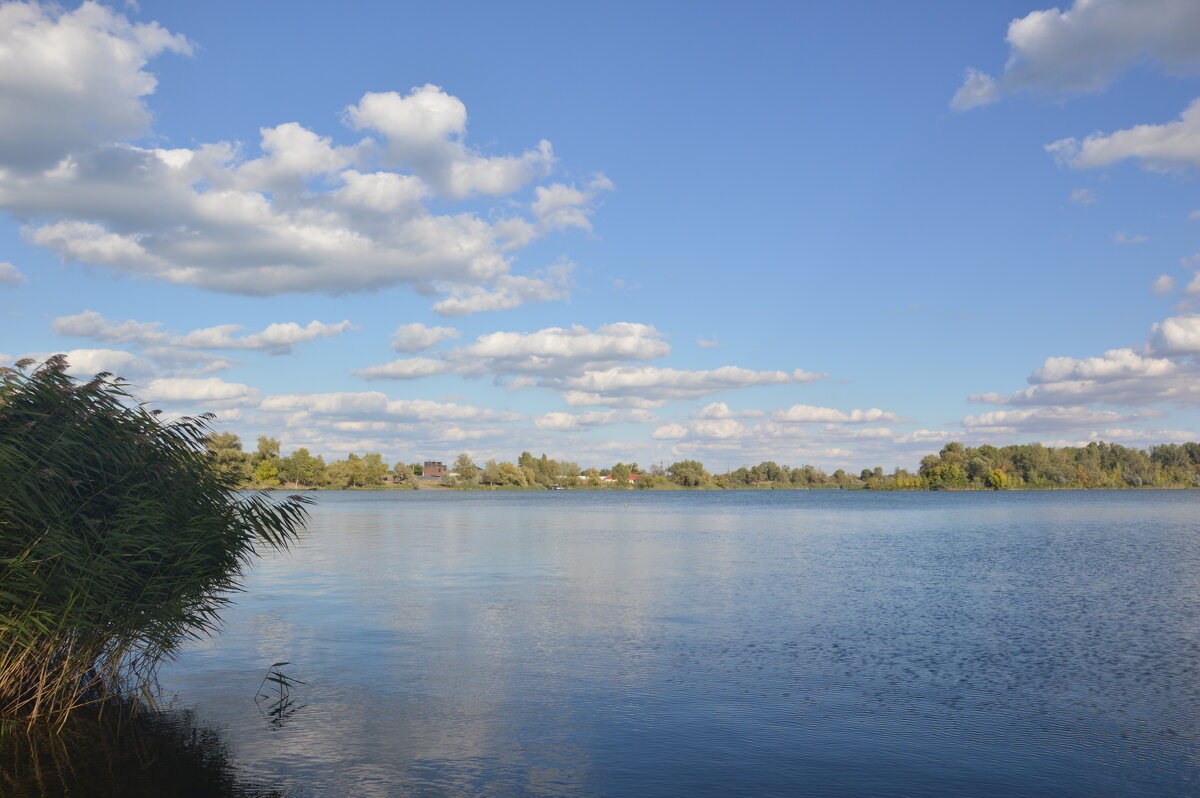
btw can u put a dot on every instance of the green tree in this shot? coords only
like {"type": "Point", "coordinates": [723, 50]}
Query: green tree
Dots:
{"type": "Point", "coordinates": [302, 468]}
{"type": "Point", "coordinates": [689, 474]}
{"type": "Point", "coordinates": [268, 448]}
{"type": "Point", "coordinates": [374, 470]}
{"type": "Point", "coordinates": [226, 451]}
{"type": "Point", "coordinates": [403, 475]}
{"type": "Point", "coordinates": [464, 466]}
{"type": "Point", "coordinates": [266, 473]}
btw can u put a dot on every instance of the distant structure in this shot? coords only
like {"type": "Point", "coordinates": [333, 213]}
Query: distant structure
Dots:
{"type": "Point", "coordinates": [433, 468]}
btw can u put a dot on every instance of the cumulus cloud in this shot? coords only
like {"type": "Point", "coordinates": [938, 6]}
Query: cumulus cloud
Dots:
{"type": "Point", "coordinates": [416, 337]}
{"type": "Point", "coordinates": [10, 275]}
{"type": "Point", "coordinates": [1178, 335]}
{"type": "Point", "coordinates": [1163, 284]}
{"type": "Point", "coordinates": [1114, 364]}
{"type": "Point", "coordinates": [1173, 144]}
{"type": "Point", "coordinates": [720, 410]}
{"type": "Point", "coordinates": [559, 206]}
{"type": "Point", "coordinates": [424, 130]}
{"type": "Point", "coordinates": [1083, 48]}
{"type": "Point", "coordinates": [71, 80]}
{"type": "Point", "coordinates": [1119, 376]}
{"type": "Point", "coordinates": [277, 339]}
{"type": "Point", "coordinates": [809, 414]}
{"type": "Point", "coordinates": [303, 214]}
{"type": "Point", "coordinates": [507, 291]}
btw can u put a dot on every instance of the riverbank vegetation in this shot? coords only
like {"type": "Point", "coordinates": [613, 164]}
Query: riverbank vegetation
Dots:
{"type": "Point", "coordinates": [120, 537]}
{"type": "Point", "coordinates": [954, 467]}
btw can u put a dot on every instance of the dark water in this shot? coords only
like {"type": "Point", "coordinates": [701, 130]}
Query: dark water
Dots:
{"type": "Point", "coordinates": [723, 643]}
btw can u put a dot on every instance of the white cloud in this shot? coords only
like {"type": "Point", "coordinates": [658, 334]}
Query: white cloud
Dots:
{"type": "Point", "coordinates": [550, 352]}
{"type": "Point", "coordinates": [70, 80]}
{"type": "Point", "coordinates": [560, 351]}
{"type": "Point", "coordinates": [572, 422]}
{"type": "Point", "coordinates": [809, 414]}
{"type": "Point", "coordinates": [292, 154]}
{"type": "Point", "coordinates": [559, 206]}
{"type": "Point", "coordinates": [1083, 48]}
{"type": "Point", "coordinates": [1163, 284]}
{"type": "Point", "coordinates": [370, 405]}
{"type": "Point", "coordinates": [1123, 238]}
{"type": "Point", "coordinates": [424, 132]}
{"type": "Point", "coordinates": [279, 338]}
{"type": "Point", "coordinates": [197, 390]}
{"type": "Point", "coordinates": [588, 399]}
{"type": "Point", "coordinates": [1157, 146]}
{"type": "Point", "coordinates": [87, 242]}
{"type": "Point", "coordinates": [186, 362]}
{"type": "Point", "coordinates": [720, 410]}
{"type": "Point", "coordinates": [1045, 419]}
{"type": "Point", "coordinates": [86, 363]}
{"type": "Point", "coordinates": [10, 275]}
{"type": "Point", "coordinates": [416, 337]}
{"type": "Point", "coordinates": [1083, 196]}
{"type": "Point", "coordinates": [670, 432]}
{"type": "Point", "coordinates": [655, 386]}
{"type": "Point", "coordinates": [835, 432]}
{"type": "Point", "coordinates": [507, 291]}
{"type": "Point", "coordinates": [923, 436]}
{"type": "Point", "coordinates": [1114, 364]}
{"type": "Point", "coordinates": [589, 367]}
{"type": "Point", "coordinates": [1178, 335]}
{"type": "Point", "coordinates": [409, 368]}
{"type": "Point", "coordinates": [705, 343]}
{"type": "Point", "coordinates": [1119, 376]}
{"type": "Point", "coordinates": [306, 214]}
{"type": "Point", "coordinates": [90, 324]}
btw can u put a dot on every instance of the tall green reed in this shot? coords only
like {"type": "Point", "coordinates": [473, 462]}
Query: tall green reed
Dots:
{"type": "Point", "coordinates": [119, 539]}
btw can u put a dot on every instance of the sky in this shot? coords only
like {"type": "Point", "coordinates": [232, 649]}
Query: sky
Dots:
{"type": "Point", "coordinates": [838, 234]}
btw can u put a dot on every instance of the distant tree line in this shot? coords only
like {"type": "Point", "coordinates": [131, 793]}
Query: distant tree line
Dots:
{"type": "Point", "coordinates": [955, 467]}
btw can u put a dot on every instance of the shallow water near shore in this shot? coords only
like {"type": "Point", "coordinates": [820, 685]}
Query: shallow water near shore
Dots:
{"type": "Point", "coordinates": [716, 643]}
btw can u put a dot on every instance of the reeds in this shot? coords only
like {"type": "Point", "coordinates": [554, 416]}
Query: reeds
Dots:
{"type": "Point", "coordinates": [119, 539]}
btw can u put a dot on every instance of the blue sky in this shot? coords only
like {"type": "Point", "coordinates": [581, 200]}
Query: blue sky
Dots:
{"type": "Point", "coordinates": [840, 235]}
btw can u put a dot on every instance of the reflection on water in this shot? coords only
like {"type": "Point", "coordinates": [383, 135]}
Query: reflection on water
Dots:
{"type": "Point", "coordinates": [122, 753]}
{"type": "Point", "coordinates": [689, 644]}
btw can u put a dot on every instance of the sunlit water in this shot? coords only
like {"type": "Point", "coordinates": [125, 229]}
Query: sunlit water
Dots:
{"type": "Point", "coordinates": [718, 643]}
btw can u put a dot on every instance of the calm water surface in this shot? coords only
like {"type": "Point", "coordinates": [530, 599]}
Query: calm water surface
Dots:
{"type": "Point", "coordinates": [720, 643]}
